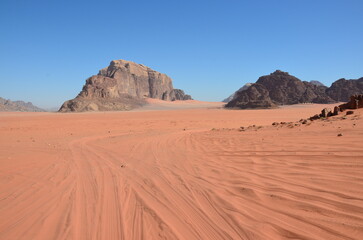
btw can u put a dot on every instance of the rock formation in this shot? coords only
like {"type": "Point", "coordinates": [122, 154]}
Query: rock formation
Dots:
{"type": "Point", "coordinates": [123, 85]}
{"type": "Point", "coordinates": [256, 96]}
{"type": "Point", "coordinates": [280, 88]}
{"type": "Point", "coordinates": [287, 89]}
{"type": "Point", "coordinates": [342, 89]}
{"type": "Point", "coordinates": [355, 102]}
{"type": "Point", "coordinates": [17, 106]}
{"type": "Point", "coordinates": [247, 85]}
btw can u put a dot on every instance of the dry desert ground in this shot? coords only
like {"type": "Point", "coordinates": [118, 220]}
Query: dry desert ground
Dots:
{"type": "Point", "coordinates": [181, 171]}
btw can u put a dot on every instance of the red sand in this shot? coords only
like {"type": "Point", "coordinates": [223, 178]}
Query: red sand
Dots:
{"type": "Point", "coordinates": [167, 175]}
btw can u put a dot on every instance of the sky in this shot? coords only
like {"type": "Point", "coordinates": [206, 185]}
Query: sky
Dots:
{"type": "Point", "coordinates": [209, 48]}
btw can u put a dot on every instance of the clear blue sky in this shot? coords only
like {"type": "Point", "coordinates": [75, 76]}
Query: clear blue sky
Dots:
{"type": "Point", "coordinates": [209, 48]}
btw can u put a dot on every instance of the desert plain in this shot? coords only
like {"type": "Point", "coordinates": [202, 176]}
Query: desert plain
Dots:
{"type": "Point", "coordinates": [182, 170]}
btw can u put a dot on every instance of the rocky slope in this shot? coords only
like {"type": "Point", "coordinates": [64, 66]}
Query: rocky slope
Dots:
{"type": "Point", "coordinates": [123, 85]}
{"type": "Point", "coordinates": [342, 89]}
{"type": "Point", "coordinates": [279, 88]}
{"type": "Point", "coordinates": [247, 85]}
{"type": "Point", "coordinates": [256, 96]}
{"type": "Point", "coordinates": [17, 106]}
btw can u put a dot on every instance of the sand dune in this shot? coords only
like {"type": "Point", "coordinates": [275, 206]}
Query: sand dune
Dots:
{"type": "Point", "coordinates": [168, 175]}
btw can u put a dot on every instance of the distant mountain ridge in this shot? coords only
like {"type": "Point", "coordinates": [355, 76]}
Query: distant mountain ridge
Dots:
{"type": "Point", "coordinates": [317, 83]}
{"type": "Point", "coordinates": [18, 106]}
{"type": "Point", "coordinates": [281, 88]}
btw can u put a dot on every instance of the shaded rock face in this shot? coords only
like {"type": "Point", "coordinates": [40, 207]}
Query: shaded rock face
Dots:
{"type": "Point", "coordinates": [287, 89]}
{"type": "Point", "coordinates": [256, 96]}
{"type": "Point", "coordinates": [247, 85]}
{"type": "Point", "coordinates": [279, 88]}
{"type": "Point", "coordinates": [122, 86]}
{"type": "Point", "coordinates": [342, 89]}
{"type": "Point", "coordinates": [17, 106]}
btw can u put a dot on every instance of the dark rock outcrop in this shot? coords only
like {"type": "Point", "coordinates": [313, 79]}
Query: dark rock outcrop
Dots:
{"type": "Point", "coordinates": [256, 96]}
{"type": "Point", "coordinates": [342, 89]}
{"type": "Point", "coordinates": [355, 102]}
{"type": "Point", "coordinates": [17, 106]}
{"type": "Point", "coordinates": [280, 88]}
{"type": "Point", "coordinates": [287, 89]}
{"type": "Point", "coordinates": [123, 85]}
{"type": "Point", "coordinates": [231, 97]}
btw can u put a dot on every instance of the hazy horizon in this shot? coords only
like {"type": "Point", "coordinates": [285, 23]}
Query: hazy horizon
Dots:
{"type": "Point", "coordinates": [209, 48]}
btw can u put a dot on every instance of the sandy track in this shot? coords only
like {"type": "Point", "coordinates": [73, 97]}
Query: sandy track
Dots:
{"type": "Point", "coordinates": [167, 175]}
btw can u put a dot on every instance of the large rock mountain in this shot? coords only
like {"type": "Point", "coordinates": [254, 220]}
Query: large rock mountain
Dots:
{"type": "Point", "coordinates": [17, 106]}
{"type": "Point", "coordinates": [123, 85]}
{"type": "Point", "coordinates": [342, 89]}
{"type": "Point", "coordinates": [279, 88]}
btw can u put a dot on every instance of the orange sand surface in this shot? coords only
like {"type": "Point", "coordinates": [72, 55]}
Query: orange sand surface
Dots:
{"type": "Point", "coordinates": [181, 174]}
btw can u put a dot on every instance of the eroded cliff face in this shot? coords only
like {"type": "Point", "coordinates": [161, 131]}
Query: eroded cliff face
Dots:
{"type": "Point", "coordinates": [123, 85]}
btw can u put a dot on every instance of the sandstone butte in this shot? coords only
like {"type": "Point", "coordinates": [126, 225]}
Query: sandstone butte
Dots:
{"type": "Point", "coordinates": [123, 85]}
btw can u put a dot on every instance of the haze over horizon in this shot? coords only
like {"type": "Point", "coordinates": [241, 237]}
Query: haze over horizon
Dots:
{"type": "Point", "coordinates": [209, 48]}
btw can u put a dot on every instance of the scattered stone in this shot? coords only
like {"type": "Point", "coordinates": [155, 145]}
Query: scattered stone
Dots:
{"type": "Point", "coordinates": [275, 124]}
{"type": "Point", "coordinates": [339, 135]}
{"type": "Point", "coordinates": [326, 112]}
{"type": "Point", "coordinates": [315, 117]}
{"type": "Point", "coordinates": [336, 110]}
{"type": "Point", "coordinates": [349, 112]}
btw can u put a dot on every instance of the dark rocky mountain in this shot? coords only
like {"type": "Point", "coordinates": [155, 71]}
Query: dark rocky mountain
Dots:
{"type": "Point", "coordinates": [247, 85]}
{"type": "Point", "coordinates": [342, 89]}
{"type": "Point", "coordinates": [279, 88]}
{"type": "Point", "coordinates": [17, 106]}
{"type": "Point", "coordinates": [123, 85]}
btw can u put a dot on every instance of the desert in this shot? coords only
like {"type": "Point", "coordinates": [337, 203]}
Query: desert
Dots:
{"type": "Point", "coordinates": [181, 120]}
{"type": "Point", "coordinates": [181, 170]}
